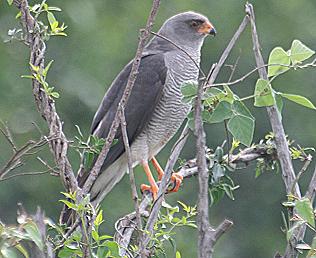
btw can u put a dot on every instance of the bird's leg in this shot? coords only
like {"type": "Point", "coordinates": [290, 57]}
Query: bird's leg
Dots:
{"type": "Point", "coordinates": [153, 186]}
{"type": "Point", "coordinates": [176, 178]}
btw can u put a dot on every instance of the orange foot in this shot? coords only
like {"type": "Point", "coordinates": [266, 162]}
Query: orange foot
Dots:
{"type": "Point", "coordinates": [175, 178]}
{"type": "Point", "coordinates": [153, 186]}
{"type": "Point", "coordinates": [153, 190]}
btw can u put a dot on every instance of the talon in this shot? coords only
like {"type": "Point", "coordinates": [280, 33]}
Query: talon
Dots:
{"type": "Point", "coordinates": [153, 189]}
{"type": "Point", "coordinates": [144, 188]}
{"type": "Point", "coordinates": [177, 180]}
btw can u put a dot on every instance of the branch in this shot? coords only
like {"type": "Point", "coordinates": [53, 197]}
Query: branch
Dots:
{"type": "Point", "coordinates": [288, 174]}
{"type": "Point", "coordinates": [131, 173]}
{"type": "Point", "coordinates": [46, 105]}
{"type": "Point", "coordinates": [212, 77]}
{"type": "Point", "coordinates": [206, 240]}
{"type": "Point", "coordinates": [177, 148]}
{"type": "Point", "coordinates": [125, 226]}
{"type": "Point", "coordinates": [18, 153]}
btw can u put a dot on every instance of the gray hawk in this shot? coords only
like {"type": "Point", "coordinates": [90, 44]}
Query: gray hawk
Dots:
{"type": "Point", "coordinates": [154, 111]}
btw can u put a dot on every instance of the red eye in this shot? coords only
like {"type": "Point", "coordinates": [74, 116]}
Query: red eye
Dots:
{"type": "Point", "coordinates": [194, 23]}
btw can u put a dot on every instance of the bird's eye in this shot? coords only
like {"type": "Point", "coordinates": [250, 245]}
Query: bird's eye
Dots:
{"type": "Point", "coordinates": [195, 23]}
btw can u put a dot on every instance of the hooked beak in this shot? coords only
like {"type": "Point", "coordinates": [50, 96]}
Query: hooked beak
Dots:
{"type": "Point", "coordinates": [207, 28]}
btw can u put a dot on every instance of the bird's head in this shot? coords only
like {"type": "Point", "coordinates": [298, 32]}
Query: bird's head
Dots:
{"type": "Point", "coordinates": [187, 29]}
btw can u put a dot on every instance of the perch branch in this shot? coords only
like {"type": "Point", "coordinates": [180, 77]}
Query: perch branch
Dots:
{"type": "Point", "coordinates": [164, 185]}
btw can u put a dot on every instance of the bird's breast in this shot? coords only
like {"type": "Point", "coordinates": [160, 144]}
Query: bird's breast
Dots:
{"type": "Point", "coordinates": [170, 111]}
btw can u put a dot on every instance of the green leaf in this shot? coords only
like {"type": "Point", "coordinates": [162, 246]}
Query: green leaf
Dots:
{"type": "Point", "coordinates": [189, 91]}
{"type": "Point", "coordinates": [303, 246]}
{"type": "Point", "coordinates": [304, 209]}
{"type": "Point", "coordinates": [10, 2]}
{"type": "Point", "coordinates": [51, 18]}
{"type": "Point", "coordinates": [278, 56]}
{"type": "Point", "coordinates": [22, 250]}
{"type": "Point", "coordinates": [113, 248]}
{"type": "Point", "coordinates": [222, 111]}
{"type": "Point", "coordinates": [279, 101]}
{"type": "Point", "coordinates": [239, 108]}
{"type": "Point", "coordinates": [53, 8]}
{"type": "Point", "coordinates": [34, 234]}
{"type": "Point", "coordinates": [69, 204]}
{"type": "Point", "coordinates": [178, 255]}
{"type": "Point", "coordinates": [55, 95]}
{"type": "Point", "coordinates": [299, 100]}
{"type": "Point", "coordinates": [263, 94]}
{"type": "Point", "coordinates": [242, 128]}
{"type": "Point", "coordinates": [229, 95]}
{"type": "Point", "coordinates": [217, 172]}
{"type": "Point", "coordinates": [67, 252]}
{"type": "Point", "coordinates": [95, 235]}
{"type": "Point", "coordinates": [212, 93]}
{"type": "Point", "coordinates": [99, 219]}
{"type": "Point", "coordinates": [45, 71]}
{"type": "Point", "coordinates": [299, 52]}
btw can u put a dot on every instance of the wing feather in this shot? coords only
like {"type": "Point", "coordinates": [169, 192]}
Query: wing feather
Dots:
{"type": "Point", "coordinates": [139, 108]}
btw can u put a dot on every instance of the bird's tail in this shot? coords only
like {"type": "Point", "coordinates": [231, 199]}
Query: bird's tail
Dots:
{"type": "Point", "coordinates": [105, 182]}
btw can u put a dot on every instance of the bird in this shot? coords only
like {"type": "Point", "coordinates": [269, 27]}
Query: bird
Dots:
{"type": "Point", "coordinates": [155, 110]}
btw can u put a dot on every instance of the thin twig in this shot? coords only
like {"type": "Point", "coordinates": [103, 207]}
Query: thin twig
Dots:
{"type": "Point", "coordinates": [233, 69]}
{"type": "Point", "coordinates": [18, 153]}
{"type": "Point", "coordinates": [163, 186]}
{"type": "Point", "coordinates": [26, 174]}
{"type": "Point", "coordinates": [227, 50]}
{"type": "Point", "coordinates": [277, 127]}
{"type": "Point", "coordinates": [7, 134]}
{"type": "Point", "coordinates": [242, 78]}
{"type": "Point", "coordinates": [131, 175]}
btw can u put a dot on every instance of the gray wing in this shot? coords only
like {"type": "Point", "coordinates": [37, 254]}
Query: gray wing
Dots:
{"type": "Point", "coordinates": [139, 108]}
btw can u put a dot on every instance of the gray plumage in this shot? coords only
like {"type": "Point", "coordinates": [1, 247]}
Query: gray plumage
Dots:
{"type": "Point", "coordinates": [154, 111]}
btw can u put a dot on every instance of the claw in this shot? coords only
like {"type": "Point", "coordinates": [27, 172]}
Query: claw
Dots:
{"type": "Point", "coordinates": [152, 189]}
{"type": "Point", "coordinates": [177, 180]}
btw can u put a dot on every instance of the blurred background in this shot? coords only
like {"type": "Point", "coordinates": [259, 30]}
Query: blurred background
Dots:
{"type": "Point", "coordinates": [102, 38]}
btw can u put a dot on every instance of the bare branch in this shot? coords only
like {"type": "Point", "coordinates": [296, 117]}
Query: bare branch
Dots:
{"type": "Point", "coordinates": [131, 174]}
{"type": "Point", "coordinates": [26, 174]}
{"type": "Point", "coordinates": [211, 79]}
{"type": "Point", "coordinates": [18, 153]}
{"type": "Point", "coordinates": [7, 134]}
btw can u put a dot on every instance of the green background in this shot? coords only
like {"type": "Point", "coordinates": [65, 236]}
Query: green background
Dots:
{"type": "Point", "coordinates": [102, 38]}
